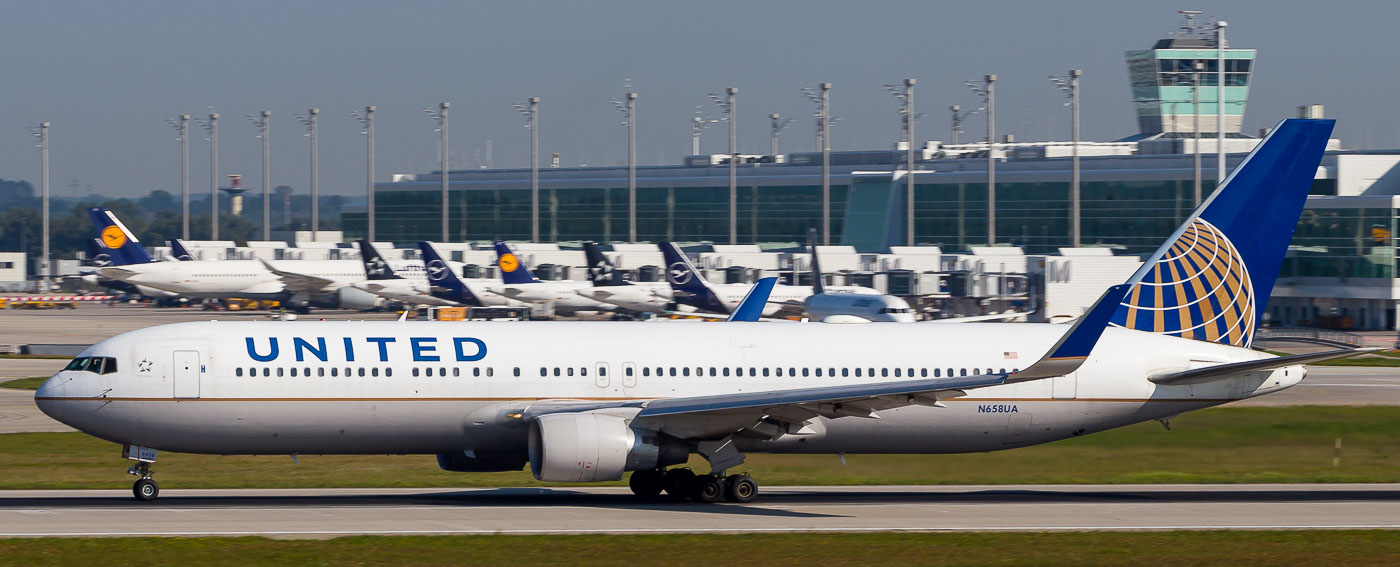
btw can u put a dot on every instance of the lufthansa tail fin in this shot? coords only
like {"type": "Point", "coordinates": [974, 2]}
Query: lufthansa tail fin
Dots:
{"type": "Point", "coordinates": [178, 250]}
{"type": "Point", "coordinates": [513, 269]}
{"type": "Point", "coordinates": [115, 240]}
{"type": "Point", "coordinates": [1211, 279]}
{"type": "Point", "coordinates": [375, 266]}
{"type": "Point", "coordinates": [689, 287]}
{"type": "Point", "coordinates": [600, 269]}
{"type": "Point", "coordinates": [445, 283]}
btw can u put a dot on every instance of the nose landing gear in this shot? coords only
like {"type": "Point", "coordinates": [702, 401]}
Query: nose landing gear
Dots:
{"type": "Point", "coordinates": [145, 488]}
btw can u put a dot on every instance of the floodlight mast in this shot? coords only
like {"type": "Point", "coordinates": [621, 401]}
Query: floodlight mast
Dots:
{"type": "Point", "coordinates": [212, 127]}
{"type": "Point", "coordinates": [1220, 101]}
{"type": "Point", "coordinates": [310, 120]}
{"type": "Point", "coordinates": [440, 116]}
{"type": "Point", "coordinates": [698, 123]}
{"type": "Point", "coordinates": [821, 96]}
{"type": "Point", "coordinates": [262, 121]}
{"type": "Point", "coordinates": [531, 114]}
{"type": "Point", "coordinates": [629, 110]}
{"type": "Point", "coordinates": [987, 92]}
{"type": "Point", "coordinates": [776, 124]}
{"type": "Point", "coordinates": [905, 95]}
{"type": "Point", "coordinates": [42, 133]}
{"type": "Point", "coordinates": [366, 120]}
{"type": "Point", "coordinates": [1069, 85]}
{"type": "Point", "coordinates": [727, 103]}
{"type": "Point", "coordinates": [182, 125]}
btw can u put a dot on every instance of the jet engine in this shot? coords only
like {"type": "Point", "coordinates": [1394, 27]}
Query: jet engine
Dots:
{"type": "Point", "coordinates": [596, 447]}
{"type": "Point", "coordinates": [358, 299]}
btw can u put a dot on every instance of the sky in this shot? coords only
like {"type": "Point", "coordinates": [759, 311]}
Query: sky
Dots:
{"type": "Point", "coordinates": [107, 75]}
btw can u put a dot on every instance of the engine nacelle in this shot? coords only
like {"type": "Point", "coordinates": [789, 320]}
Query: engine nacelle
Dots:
{"type": "Point", "coordinates": [596, 447]}
{"type": "Point", "coordinates": [358, 299]}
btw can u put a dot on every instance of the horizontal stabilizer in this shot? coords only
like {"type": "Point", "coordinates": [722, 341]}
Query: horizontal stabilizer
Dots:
{"type": "Point", "coordinates": [1209, 373]}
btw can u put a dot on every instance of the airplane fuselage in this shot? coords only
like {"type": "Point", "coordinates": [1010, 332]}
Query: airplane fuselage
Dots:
{"type": "Point", "coordinates": [439, 387]}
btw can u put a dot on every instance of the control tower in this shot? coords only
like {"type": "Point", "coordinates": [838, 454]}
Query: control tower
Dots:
{"type": "Point", "coordinates": [1164, 77]}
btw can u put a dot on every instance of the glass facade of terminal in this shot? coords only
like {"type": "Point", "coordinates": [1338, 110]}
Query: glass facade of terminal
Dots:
{"type": "Point", "coordinates": [1343, 243]}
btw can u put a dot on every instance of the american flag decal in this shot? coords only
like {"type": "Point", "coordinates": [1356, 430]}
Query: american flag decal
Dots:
{"type": "Point", "coordinates": [1009, 355]}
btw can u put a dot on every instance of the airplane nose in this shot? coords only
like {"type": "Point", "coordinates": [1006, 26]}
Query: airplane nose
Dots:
{"type": "Point", "coordinates": [44, 397]}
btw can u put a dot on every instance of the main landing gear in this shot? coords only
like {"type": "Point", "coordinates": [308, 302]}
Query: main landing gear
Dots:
{"type": "Point", "coordinates": [684, 484]}
{"type": "Point", "coordinates": [145, 488]}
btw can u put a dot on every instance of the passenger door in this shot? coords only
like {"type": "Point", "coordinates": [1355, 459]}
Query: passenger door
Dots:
{"type": "Point", "coordinates": [187, 372]}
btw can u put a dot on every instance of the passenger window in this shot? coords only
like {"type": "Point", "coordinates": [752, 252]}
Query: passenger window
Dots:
{"type": "Point", "coordinates": [279, 371]}
{"type": "Point", "coordinates": [937, 373]}
{"type": "Point", "coordinates": [517, 371]}
{"type": "Point", "coordinates": [989, 371]}
{"type": "Point", "coordinates": [602, 371]}
{"type": "Point", "coordinates": [923, 373]}
{"type": "Point", "coordinates": [347, 371]}
{"type": "Point", "coordinates": [336, 372]}
{"type": "Point", "coordinates": [442, 371]}
{"type": "Point", "coordinates": [556, 371]}
{"type": "Point", "coordinates": [583, 371]}
{"type": "Point", "coordinates": [685, 371]}
{"type": "Point", "coordinates": [725, 371]}
{"type": "Point", "coordinates": [857, 373]}
{"type": "Point", "coordinates": [830, 372]}
{"type": "Point", "coordinates": [267, 372]}
{"type": "Point", "coordinates": [628, 370]}
{"type": "Point", "coordinates": [911, 373]}
{"type": "Point", "coordinates": [1001, 371]}
{"type": "Point", "coordinates": [951, 373]}
{"type": "Point", "coordinates": [845, 372]}
{"type": "Point", "coordinates": [476, 372]}
{"type": "Point", "coordinates": [456, 372]}
{"type": "Point", "coordinates": [374, 372]}
{"type": "Point", "coordinates": [544, 372]}
{"type": "Point", "coordinates": [570, 371]}
{"type": "Point", "coordinates": [320, 371]}
{"type": "Point", "coordinates": [884, 373]}
{"type": "Point", "coordinates": [673, 371]}
{"type": "Point", "coordinates": [976, 372]}
{"type": "Point", "coordinates": [238, 371]}
{"type": "Point", "coordinates": [646, 371]}
{"type": "Point", "coordinates": [872, 373]}
{"type": "Point", "coordinates": [753, 371]}
{"type": "Point", "coordinates": [361, 372]}
{"type": "Point", "coordinates": [765, 371]}
{"type": "Point", "coordinates": [792, 372]}
{"type": "Point", "coordinates": [415, 372]}
{"type": "Point", "coordinates": [804, 372]}
{"type": "Point", "coordinates": [490, 372]}
{"type": "Point", "coordinates": [712, 371]}
{"type": "Point", "coordinates": [388, 372]}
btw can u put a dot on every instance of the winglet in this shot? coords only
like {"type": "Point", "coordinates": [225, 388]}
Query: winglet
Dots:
{"type": "Point", "coordinates": [751, 308]}
{"type": "Point", "coordinates": [178, 250]}
{"type": "Point", "coordinates": [1074, 347]}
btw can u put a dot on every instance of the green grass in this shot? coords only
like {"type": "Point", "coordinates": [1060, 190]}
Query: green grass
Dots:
{"type": "Point", "coordinates": [1225, 445]}
{"type": "Point", "coordinates": [25, 383]}
{"type": "Point", "coordinates": [1383, 360]}
{"type": "Point", "coordinates": [1168, 549]}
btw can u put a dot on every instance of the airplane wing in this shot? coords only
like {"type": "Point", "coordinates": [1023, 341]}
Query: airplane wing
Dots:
{"type": "Point", "coordinates": [292, 281]}
{"type": "Point", "coordinates": [1209, 373]}
{"type": "Point", "coordinates": [994, 317]}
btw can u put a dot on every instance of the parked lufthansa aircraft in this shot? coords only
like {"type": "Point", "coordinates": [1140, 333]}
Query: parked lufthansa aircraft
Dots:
{"type": "Point", "coordinates": [590, 401]}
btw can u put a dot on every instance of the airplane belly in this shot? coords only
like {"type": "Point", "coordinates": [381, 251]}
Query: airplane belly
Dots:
{"type": "Point", "coordinates": [242, 427]}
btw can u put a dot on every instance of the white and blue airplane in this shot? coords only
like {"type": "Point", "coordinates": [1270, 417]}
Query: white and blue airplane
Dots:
{"type": "Point", "coordinates": [690, 288]}
{"type": "Point", "coordinates": [591, 401]}
{"type": "Point", "coordinates": [519, 284]}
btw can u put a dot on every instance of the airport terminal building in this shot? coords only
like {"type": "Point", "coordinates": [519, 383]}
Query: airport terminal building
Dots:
{"type": "Point", "coordinates": [1134, 192]}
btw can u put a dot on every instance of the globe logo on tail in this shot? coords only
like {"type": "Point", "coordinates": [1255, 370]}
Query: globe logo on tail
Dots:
{"type": "Point", "coordinates": [1200, 289]}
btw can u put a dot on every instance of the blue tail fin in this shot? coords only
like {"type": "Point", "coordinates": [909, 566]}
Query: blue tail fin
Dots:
{"type": "Point", "coordinates": [751, 308]}
{"type": "Point", "coordinates": [115, 240]}
{"type": "Point", "coordinates": [178, 250]}
{"type": "Point", "coordinates": [375, 266]}
{"type": "Point", "coordinates": [600, 269]}
{"type": "Point", "coordinates": [445, 283]}
{"type": "Point", "coordinates": [513, 269]}
{"type": "Point", "coordinates": [689, 286]}
{"type": "Point", "coordinates": [1211, 279]}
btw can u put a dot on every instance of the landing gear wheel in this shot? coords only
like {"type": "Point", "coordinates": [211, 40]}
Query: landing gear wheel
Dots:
{"type": "Point", "coordinates": [145, 490]}
{"type": "Point", "coordinates": [647, 484]}
{"type": "Point", "coordinates": [677, 482]}
{"type": "Point", "coordinates": [707, 489]}
{"type": "Point", "coordinates": [740, 488]}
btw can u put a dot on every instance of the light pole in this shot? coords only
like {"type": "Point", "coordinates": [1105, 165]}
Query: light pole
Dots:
{"type": "Point", "coordinates": [440, 115]}
{"type": "Point", "coordinates": [959, 116]}
{"type": "Point", "coordinates": [309, 120]}
{"type": "Point", "coordinates": [629, 110]}
{"type": "Point", "coordinates": [1070, 86]}
{"type": "Point", "coordinates": [366, 120]}
{"type": "Point", "coordinates": [906, 111]}
{"type": "Point", "coordinates": [987, 90]}
{"type": "Point", "coordinates": [42, 132]}
{"type": "Point", "coordinates": [1220, 102]}
{"type": "Point", "coordinates": [532, 114]}
{"type": "Point", "coordinates": [182, 125]}
{"type": "Point", "coordinates": [1196, 127]}
{"type": "Point", "coordinates": [698, 124]}
{"type": "Point", "coordinates": [262, 121]}
{"type": "Point", "coordinates": [212, 127]}
{"type": "Point", "coordinates": [727, 103]}
{"type": "Point", "coordinates": [776, 125]}
{"type": "Point", "coordinates": [822, 97]}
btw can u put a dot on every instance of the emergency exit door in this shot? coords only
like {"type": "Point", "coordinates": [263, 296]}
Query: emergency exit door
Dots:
{"type": "Point", "coordinates": [187, 371]}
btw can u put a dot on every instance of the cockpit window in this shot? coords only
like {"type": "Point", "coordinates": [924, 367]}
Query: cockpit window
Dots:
{"type": "Point", "coordinates": [94, 364]}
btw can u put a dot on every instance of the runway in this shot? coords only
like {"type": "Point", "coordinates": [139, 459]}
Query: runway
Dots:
{"type": "Point", "coordinates": [323, 513]}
